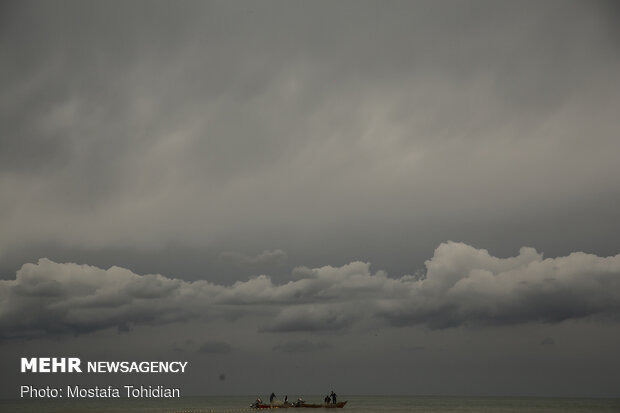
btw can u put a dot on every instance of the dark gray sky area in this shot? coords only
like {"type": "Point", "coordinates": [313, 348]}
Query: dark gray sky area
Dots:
{"type": "Point", "coordinates": [417, 197]}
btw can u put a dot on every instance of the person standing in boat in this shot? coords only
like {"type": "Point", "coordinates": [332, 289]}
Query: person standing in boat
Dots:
{"type": "Point", "coordinates": [271, 397]}
{"type": "Point", "coordinates": [326, 399]}
{"type": "Point", "coordinates": [333, 397]}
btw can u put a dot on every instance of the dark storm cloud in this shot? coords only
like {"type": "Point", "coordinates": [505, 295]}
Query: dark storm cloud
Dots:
{"type": "Point", "coordinates": [462, 286]}
{"type": "Point", "coordinates": [322, 126]}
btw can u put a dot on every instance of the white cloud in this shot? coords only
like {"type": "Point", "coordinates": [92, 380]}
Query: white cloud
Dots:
{"type": "Point", "coordinates": [462, 286]}
{"type": "Point", "coordinates": [465, 285]}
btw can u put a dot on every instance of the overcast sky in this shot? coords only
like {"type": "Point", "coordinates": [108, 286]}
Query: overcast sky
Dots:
{"type": "Point", "coordinates": [427, 191]}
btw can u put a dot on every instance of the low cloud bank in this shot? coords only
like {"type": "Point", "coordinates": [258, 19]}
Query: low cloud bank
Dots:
{"type": "Point", "coordinates": [462, 286]}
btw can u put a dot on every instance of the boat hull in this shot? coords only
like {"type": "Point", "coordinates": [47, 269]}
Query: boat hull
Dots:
{"type": "Point", "coordinates": [339, 405]}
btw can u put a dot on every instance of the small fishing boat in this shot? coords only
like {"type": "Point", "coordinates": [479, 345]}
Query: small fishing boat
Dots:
{"type": "Point", "coordinates": [280, 405]}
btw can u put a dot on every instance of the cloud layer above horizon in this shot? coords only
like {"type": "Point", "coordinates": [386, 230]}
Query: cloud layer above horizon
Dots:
{"type": "Point", "coordinates": [461, 286]}
{"type": "Point", "coordinates": [238, 126]}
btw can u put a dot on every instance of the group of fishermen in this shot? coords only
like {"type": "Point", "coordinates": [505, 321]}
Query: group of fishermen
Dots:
{"type": "Point", "coordinates": [330, 398]}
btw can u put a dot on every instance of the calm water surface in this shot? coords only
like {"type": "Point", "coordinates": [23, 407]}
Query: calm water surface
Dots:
{"type": "Point", "coordinates": [357, 404]}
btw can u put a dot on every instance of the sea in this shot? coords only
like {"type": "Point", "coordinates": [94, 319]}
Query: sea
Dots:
{"type": "Point", "coordinates": [356, 404]}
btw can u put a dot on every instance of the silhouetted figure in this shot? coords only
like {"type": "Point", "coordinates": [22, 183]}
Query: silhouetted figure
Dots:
{"type": "Point", "coordinates": [271, 397]}
{"type": "Point", "coordinates": [326, 399]}
{"type": "Point", "coordinates": [333, 397]}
